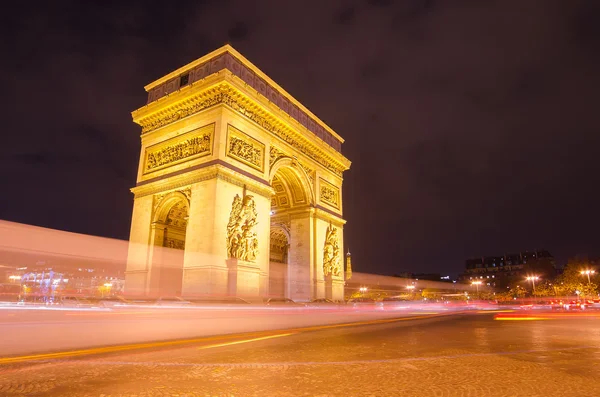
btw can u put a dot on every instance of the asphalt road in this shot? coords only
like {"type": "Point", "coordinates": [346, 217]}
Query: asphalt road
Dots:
{"type": "Point", "coordinates": [469, 354]}
{"type": "Point", "coordinates": [32, 330]}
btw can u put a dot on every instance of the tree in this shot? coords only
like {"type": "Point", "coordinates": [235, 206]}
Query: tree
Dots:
{"type": "Point", "coordinates": [571, 280]}
{"type": "Point", "coordinates": [544, 288]}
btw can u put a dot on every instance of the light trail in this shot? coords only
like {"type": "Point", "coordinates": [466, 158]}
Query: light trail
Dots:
{"type": "Point", "coordinates": [183, 342]}
{"type": "Point", "coordinates": [244, 341]}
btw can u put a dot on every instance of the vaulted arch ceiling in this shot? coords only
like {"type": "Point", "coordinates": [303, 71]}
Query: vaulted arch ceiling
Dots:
{"type": "Point", "coordinates": [289, 191]}
{"type": "Point", "coordinates": [174, 213]}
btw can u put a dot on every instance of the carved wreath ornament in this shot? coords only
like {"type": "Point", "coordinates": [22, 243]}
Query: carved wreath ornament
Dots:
{"type": "Point", "coordinates": [242, 241]}
{"type": "Point", "coordinates": [331, 253]}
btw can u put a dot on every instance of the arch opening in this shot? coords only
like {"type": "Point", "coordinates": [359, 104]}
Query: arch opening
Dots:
{"type": "Point", "coordinates": [288, 259]}
{"type": "Point", "coordinates": [169, 234]}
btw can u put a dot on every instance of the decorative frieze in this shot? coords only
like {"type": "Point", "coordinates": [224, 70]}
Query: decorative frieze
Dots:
{"type": "Point", "coordinates": [225, 94]}
{"type": "Point", "coordinates": [185, 147]}
{"type": "Point", "coordinates": [227, 62]}
{"type": "Point", "coordinates": [245, 149]}
{"type": "Point", "coordinates": [329, 193]}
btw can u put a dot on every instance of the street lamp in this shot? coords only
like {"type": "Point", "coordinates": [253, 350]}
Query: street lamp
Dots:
{"type": "Point", "coordinates": [588, 272]}
{"type": "Point", "coordinates": [477, 284]}
{"type": "Point", "coordinates": [533, 279]}
{"type": "Point", "coordinates": [363, 289]}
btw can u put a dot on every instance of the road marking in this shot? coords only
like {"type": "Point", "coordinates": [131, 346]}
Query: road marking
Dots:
{"type": "Point", "coordinates": [244, 341]}
{"type": "Point", "coordinates": [138, 346]}
{"type": "Point", "coordinates": [255, 365]}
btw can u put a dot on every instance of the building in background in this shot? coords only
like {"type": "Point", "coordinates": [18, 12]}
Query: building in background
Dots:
{"type": "Point", "coordinates": [43, 282]}
{"type": "Point", "coordinates": [424, 276]}
{"type": "Point", "coordinates": [500, 271]}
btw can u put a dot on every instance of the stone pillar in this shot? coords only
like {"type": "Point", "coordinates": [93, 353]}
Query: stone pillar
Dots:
{"type": "Point", "coordinates": [301, 258]}
{"type": "Point", "coordinates": [138, 262]}
{"type": "Point", "coordinates": [204, 270]}
{"type": "Point", "coordinates": [207, 270]}
{"type": "Point", "coordinates": [330, 287]}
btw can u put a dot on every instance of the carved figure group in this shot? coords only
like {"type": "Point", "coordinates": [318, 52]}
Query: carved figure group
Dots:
{"type": "Point", "coordinates": [328, 195]}
{"type": "Point", "coordinates": [246, 151]}
{"type": "Point", "coordinates": [331, 253]}
{"type": "Point", "coordinates": [242, 242]}
{"type": "Point", "coordinates": [187, 148]}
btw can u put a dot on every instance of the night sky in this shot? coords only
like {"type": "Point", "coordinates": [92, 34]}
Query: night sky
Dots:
{"type": "Point", "coordinates": [472, 125]}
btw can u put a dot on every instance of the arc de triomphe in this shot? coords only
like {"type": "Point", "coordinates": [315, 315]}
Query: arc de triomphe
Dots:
{"type": "Point", "coordinates": [239, 188]}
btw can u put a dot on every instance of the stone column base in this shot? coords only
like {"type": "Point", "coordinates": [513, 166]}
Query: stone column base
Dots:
{"type": "Point", "coordinates": [203, 281]}
{"type": "Point", "coordinates": [244, 278]}
{"type": "Point", "coordinates": [337, 290]}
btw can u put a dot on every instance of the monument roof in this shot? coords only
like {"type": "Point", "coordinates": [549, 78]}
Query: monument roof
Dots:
{"type": "Point", "coordinates": [227, 57]}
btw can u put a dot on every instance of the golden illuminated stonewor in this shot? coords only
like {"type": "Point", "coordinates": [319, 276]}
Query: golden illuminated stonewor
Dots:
{"type": "Point", "coordinates": [238, 189]}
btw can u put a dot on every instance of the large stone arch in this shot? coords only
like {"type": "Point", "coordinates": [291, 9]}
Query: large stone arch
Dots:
{"type": "Point", "coordinates": [222, 143]}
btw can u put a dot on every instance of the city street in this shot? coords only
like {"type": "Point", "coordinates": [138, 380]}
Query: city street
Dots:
{"type": "Point", "coordinates": [463, 354]}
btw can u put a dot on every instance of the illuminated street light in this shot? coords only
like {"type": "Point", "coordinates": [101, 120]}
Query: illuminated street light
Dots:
{"type": "Point", "coordinates": [476, 284]}
{"type": "Point", "coordinates": [410, 287]}
{"type": "Point", "coordinates": [588, 272]}
{"type": "Point", "coordinates": [363, 289]}
{"type": "Point", "coordinates": [533, 279]}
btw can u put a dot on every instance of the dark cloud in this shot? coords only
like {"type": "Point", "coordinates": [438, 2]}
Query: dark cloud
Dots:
{"type": "Point", "coordinates": [472, 126]}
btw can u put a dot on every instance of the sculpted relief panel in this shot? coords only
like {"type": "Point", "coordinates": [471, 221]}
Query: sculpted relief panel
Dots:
{"type": "Point", "coordinates": [329, 194]}
{"type": "Point", "coordinates": [226, 95]}
{"type": "Point", "coordinates": [242, 241]}
{"type": "Point", "coordinates": [184, 147]}
{"type": "Point", "coordinates": [331, 253]}
{"type": "Point", "coordinates": [245, 149]}
{"type": "Point", "coordinates": [274, 155]}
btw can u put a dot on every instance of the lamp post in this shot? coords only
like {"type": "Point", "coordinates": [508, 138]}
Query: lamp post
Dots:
{"type": "Point", "coordinates": [533, 279]}
{"type": "Point", "coordinates": [477, 284]}
{"type": "Point", "coordinates": [588, 272]}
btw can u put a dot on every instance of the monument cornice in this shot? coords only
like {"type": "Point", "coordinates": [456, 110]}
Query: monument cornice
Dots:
{"type": "Point", "coordinates": [329, 216]}
{"type": "Point", "coordinates": [223, 88]}
{"type": "Point", "coordinates": [227, 57]}
{"type": "Point", "coordinates": [219, 171]}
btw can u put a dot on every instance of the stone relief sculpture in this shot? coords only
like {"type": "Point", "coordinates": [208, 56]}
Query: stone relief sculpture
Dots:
{"type": "Point", "coordinates": [242, 241]}
{"type": "Point", "coordinates": [179, 151]}
{"type": "Point", "coordinates": [331, 253]}
{"type": "Point", "coordinates": [244, 148]}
